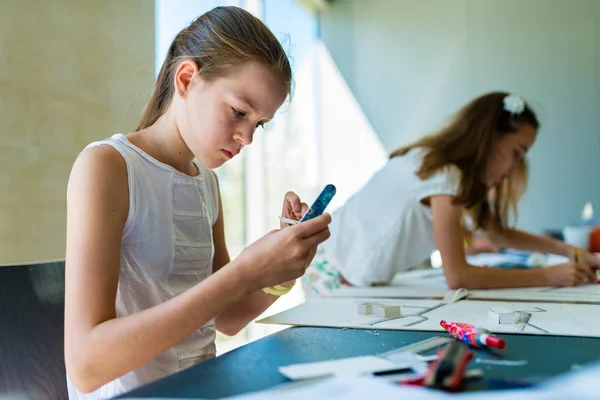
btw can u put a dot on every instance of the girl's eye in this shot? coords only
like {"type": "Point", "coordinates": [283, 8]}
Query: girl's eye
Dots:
{"type": "Point", "coordinates": [517, 154]}
{"type": "Point", "coordinates": [261, 125]}
{"type": "Point", "coordinates": [238, 113]}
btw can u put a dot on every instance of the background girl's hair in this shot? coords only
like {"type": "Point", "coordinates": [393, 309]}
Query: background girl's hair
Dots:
{"type": "Point", "coordinates": [507, 194]}
{"type": "Point", "coordinates": [216, 41]}
{"type": "Point", "coordinates": [467, 142]}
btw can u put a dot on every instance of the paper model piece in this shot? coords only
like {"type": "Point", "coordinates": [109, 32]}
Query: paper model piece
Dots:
{"type": "Point", "coordinates": [501, 315]}
{"type": "Point", "coordinates": [383, 310]}
{"type": "Point", "coordinates": [364, 308]}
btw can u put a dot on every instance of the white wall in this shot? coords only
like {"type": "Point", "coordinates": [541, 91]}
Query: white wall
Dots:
{"type": "Point", "coordinates": [410, 63]}
{"type": "Point", "coordinates": [70, 73]}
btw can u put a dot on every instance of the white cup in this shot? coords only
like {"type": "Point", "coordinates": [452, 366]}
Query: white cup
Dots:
{"type": "Point", "coordinates": [578, 236]}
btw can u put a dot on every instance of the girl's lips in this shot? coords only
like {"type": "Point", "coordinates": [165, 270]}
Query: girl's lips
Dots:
{"type": "Point", "coordinates": [228, 153]}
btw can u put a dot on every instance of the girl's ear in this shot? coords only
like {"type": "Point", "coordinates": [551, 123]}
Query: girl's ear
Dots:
{"type": "Point", "coordinates": [184, 76]}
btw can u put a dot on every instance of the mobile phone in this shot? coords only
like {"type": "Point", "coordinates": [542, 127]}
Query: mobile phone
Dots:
{"type": "Point", "coordinates": [318, 207]}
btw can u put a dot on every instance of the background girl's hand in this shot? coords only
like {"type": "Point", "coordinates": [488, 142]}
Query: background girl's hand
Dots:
{"type": "Point", "coordinates": [570, 274]}
{"type": "Point", "coordinates": [591, 259]}
{"type": "Point", "coordinates": [283, 255]}
{"type": "Point", "coordinates": [292, 208]}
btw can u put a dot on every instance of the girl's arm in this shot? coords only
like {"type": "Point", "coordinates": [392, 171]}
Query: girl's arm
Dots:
{"type": "Point", "coordinates": [100, 347]}
{"type": "Point", "coordinates": [519, 240]}
{"type": "Point", "coordinates": [238, 314]}
{"type": "Point", "coordinates": [459, 274]}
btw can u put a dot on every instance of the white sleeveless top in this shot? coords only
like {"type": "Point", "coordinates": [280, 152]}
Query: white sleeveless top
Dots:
{"type": "Point", "coordinates": [385, 228]}
{"type": "Point", "coordinates": [167, 247]}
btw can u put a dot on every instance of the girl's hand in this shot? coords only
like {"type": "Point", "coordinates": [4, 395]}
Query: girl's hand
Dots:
{"type": "Point", "coordinates": [591, 259]}
{"type": "Point", "coordinates": [570, 274]}
{"type": "Point", "coordinates": [283, 255]}
{"type": "Point", "coordinates": [292, 208]}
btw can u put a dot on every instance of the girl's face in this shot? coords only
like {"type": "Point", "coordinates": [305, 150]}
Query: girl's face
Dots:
{"type": "Point", "coordinates": [508, 154]}
{"type": "Point", "coordinates": [217, 118]}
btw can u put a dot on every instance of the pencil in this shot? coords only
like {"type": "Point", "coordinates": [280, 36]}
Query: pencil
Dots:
{"type": "Point", "coordinates": [288, 221]}
{"type": "Point", "coordinates": [576, 255]}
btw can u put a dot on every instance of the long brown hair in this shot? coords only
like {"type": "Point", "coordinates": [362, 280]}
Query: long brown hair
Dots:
{"type": "Point", "coordinates": [508, 192]}
{"type": "Point", "coordinates": [216, 41]}
{"type": "Point", "coordinates": [467, 142]}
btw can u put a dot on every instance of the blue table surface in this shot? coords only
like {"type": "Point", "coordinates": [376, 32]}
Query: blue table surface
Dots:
{"type": "Point", "coordinates": [253, 367]}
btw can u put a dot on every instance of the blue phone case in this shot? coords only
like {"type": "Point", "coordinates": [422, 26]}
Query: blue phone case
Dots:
{"type": "Point", "coordinates": [320, 203]}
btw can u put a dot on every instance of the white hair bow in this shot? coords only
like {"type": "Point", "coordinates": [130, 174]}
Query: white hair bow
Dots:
{"type": "Point", "coordinates": [514, 104]}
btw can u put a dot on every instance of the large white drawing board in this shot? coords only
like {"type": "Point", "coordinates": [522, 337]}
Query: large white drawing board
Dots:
{"type": "Point", "coordinates": [425, 315]}
{"type": "Point", "coordinates": [431, 284]}
{"type": "Point", "coordinates": [583, 294]}
{"type": "Point", "coordinates": [419, 284]}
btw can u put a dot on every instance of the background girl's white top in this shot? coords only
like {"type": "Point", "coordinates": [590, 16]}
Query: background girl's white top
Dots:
{"type": "Point", "coordinates": [167, 247]}
{"type": "Point", "coordinates": [385, 228]}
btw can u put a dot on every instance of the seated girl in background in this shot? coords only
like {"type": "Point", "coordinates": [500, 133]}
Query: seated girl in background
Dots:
{"type": "Point", "coordinates": [417, 203]}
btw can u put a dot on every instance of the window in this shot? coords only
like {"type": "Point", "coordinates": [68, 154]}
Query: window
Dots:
{"type": "Point", "coordinates": [321, 137]}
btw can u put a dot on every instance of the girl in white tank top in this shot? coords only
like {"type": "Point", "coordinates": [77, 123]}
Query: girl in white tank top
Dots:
{"type": "Point", "coordinates": [148, 276]}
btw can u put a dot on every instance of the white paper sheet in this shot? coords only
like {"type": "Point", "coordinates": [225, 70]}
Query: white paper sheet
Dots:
{"type": "Point", "coordinates": [347, 388]}
{"type": "Point", "coordinates": [577, 385]}
{"type": "Point", "coordinates": [356, 365]}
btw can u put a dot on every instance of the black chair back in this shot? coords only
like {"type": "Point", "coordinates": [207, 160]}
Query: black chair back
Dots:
{"type": "Point", "coordinates": [32, 331]}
